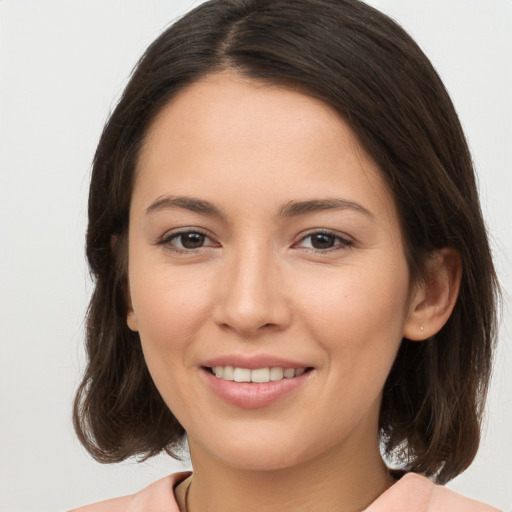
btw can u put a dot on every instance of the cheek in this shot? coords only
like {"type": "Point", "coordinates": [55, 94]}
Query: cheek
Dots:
{"type": "Point", "coordinates": [358, 317]}
{"type": "Point", "coordinates": [169, 307]}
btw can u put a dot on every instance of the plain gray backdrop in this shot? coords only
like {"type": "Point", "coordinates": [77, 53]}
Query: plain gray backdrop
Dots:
{"type": "Point", "coordinates": [63, 64]}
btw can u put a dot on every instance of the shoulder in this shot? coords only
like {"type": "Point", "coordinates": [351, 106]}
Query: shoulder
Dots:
{"type": "Point", "coordinates": [416, 493]}
{"type": "Point", "coordinates": [445, 499]}
{"type": "Point", "coordinates": [157, 497]}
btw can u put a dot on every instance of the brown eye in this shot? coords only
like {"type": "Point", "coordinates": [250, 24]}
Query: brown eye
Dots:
{"type": "Point", "coordinates": [191, 240]}
{"type": "Point", "coordinates": [183, 241]}
{"type": "Point", "coordinates": [324, 241]}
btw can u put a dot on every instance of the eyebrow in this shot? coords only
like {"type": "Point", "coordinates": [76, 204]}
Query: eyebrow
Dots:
{"type": "Point", "coordinates": [185, 203]}
{"type": "Point", "coordinates": [297, 208]}
{"type": "Point", "coordinates": [290, 209]}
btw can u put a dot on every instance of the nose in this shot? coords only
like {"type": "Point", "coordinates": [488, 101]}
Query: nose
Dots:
{"type": "Point", "coordinates": [251, 296]}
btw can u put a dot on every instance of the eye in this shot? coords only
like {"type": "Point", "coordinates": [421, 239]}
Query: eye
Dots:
{"type": "Point", "coordinates": [324, 241]}
{"type": "Point", "coordinates": [188, 240]}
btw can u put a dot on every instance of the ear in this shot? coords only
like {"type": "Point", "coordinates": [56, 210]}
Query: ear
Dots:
{"type": "Point", "coordinates": [131, 318]}
{"type": "Point", "coordinates": [118, 247]}
{"type": "Point", "coordinates": [434, 298]}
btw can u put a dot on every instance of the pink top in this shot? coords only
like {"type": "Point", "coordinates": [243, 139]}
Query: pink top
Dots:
{"type": "Point", "coordinates": [412, 493]}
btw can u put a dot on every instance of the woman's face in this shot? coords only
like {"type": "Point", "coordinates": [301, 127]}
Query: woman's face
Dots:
{"type": "Point", "coordinates": [264, 246]}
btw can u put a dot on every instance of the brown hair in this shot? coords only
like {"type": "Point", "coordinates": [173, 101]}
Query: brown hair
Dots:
{"type": "Point", "coordinates": [368, 69]}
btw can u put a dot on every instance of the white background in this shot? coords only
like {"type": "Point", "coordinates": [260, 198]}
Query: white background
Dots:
{"type": "Point", "coordinates": [62, 66]}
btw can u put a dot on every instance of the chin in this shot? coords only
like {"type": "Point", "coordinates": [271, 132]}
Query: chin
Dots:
{"type": "Point", "coordinates": [260, 460]}
{"type": "Point", "coordinates": [264, 452]}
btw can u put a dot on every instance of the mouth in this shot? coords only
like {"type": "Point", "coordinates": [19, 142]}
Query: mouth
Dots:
{"type": "Point", "coordinates": [256, 376]}
{"type": "Point", "coordinates": [253, 388]}
{"type": "Point", "coordinates": [259, 380]}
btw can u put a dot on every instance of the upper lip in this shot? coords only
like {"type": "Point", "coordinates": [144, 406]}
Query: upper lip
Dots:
{"type": "Point", "coordinates": [253, 362]}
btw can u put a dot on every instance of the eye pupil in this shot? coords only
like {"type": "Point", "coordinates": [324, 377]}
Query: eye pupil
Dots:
{"type": "Point", "coordinates": [323, 241]}
{"type": "Point", "coordinates": [192, 240]}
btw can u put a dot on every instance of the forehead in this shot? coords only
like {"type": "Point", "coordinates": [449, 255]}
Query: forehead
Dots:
{"type": "Point", "coordinates": [221, 105]}
{"type": "Point", "coordinates": [226, 133]}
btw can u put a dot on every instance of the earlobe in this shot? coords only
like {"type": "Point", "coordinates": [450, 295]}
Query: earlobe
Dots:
{"type": "Point", "coordinates": [131, 320]}
{"type": "Point", "coordinates": [434, 298]}
{"type": "Point", "coordinates": [119, 248]}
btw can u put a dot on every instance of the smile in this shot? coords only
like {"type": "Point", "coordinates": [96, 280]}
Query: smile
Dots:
{"type": "Point", "coordinates": [251, 384]}
{"type": "Point", "coordinates": [258, 376]}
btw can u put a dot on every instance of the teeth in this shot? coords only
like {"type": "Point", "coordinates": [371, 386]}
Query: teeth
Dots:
{"type": "Point", "coordinates": [276, 374]}
{"type": "Point", "coordinates": [242, 375]}
{"type": "Point", "coordinates": [227, 373]}
{"type": "Point", "coordinates": [260, 375]}
{"type": "Point", "coordinates": [289, 373]}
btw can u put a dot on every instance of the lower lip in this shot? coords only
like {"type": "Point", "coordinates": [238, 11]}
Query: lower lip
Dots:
{"type": "Point", "coordinates": [250, 395]}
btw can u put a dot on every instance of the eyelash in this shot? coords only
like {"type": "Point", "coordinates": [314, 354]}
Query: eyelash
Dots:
{"type": "Point", "coordinates": [166, 240]}
{"type": "Point", "coordinates": [343, 243]}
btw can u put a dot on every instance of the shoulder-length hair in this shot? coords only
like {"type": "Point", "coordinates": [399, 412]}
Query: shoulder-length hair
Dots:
{"type": "Point", "coordinates": [369, 70]}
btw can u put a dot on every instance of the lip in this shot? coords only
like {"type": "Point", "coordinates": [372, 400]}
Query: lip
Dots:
{"type": "Point", "coordinates": [249, 395]}
{"type": "Point", "coordinates": [254, 362]}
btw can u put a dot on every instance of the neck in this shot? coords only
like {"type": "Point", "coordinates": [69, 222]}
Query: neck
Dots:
{"type": "Point", "coordinates": [328, 483]}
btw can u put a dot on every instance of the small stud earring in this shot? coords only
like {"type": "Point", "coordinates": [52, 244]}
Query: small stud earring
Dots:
{"type": "Point", "coordinates": [422, 328]}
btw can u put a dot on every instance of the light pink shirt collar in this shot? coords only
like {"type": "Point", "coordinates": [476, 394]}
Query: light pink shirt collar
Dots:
{"type": "Point", "coordinates": [412, 493]}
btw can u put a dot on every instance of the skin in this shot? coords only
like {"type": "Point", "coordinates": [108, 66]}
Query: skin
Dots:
{"type": "Point", "coordinates": [258, 286]}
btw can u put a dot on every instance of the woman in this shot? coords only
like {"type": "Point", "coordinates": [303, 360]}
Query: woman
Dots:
{"type": "Point", "coordinates": [291, 268]}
